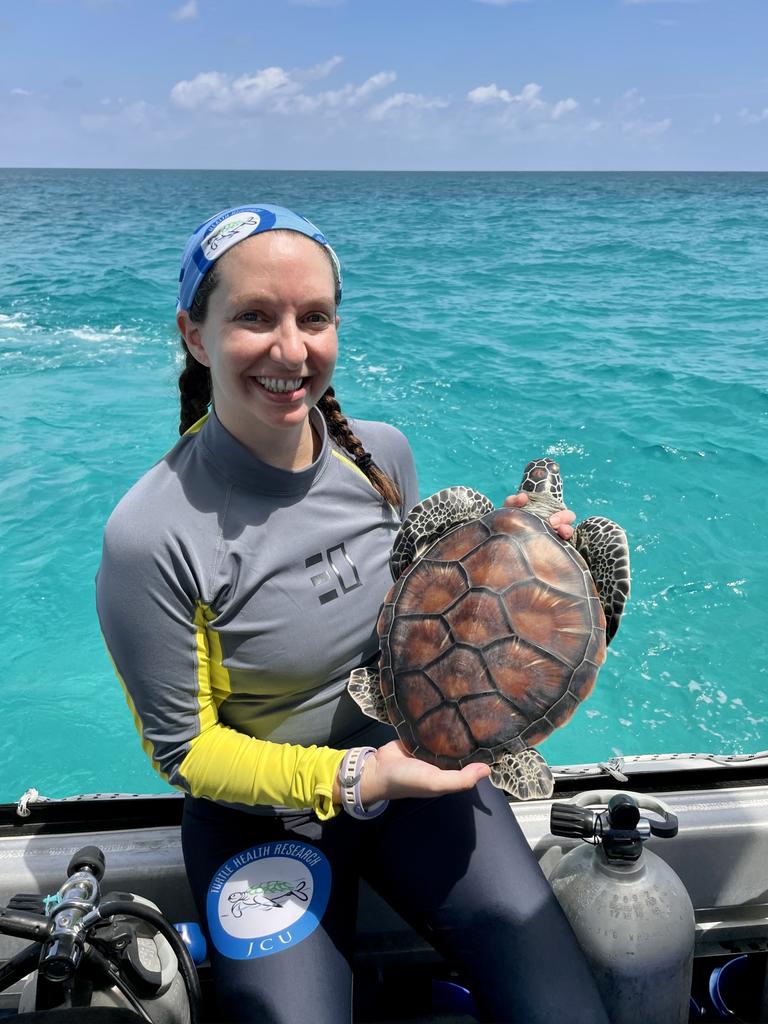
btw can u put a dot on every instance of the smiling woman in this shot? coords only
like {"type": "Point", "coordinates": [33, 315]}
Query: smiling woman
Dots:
{"type": "Point", "coordinates": [240, 585]}
{"type": "Point", "coordinates": [268, 338]}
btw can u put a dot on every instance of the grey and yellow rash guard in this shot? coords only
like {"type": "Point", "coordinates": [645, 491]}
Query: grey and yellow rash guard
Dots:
{"type": "Point", "coordinates": [235, 598]}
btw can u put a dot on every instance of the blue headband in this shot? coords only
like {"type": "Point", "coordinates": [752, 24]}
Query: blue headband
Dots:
{"type": "Point", "coordinates": [220, 232]}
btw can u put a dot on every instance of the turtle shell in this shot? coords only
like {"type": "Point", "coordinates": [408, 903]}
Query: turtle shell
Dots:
{"type": "Point", "coordinates": [489, 641]}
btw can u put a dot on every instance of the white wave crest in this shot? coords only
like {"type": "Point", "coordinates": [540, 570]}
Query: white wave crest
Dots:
{"type": "Point", "coordinates": [13, 321]}
{"type": "Point", "coordinates": [564, 447]}
{"type": "Point", "coordinates": [86, 333]}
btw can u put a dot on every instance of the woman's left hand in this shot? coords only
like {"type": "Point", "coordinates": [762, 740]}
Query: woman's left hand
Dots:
{"type": "Point", "coordinates": [560, 521]}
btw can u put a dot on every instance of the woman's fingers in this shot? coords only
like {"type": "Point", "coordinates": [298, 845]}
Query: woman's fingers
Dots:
{"type": "Point", "coordinates": [563, 516]}
{"type": "Point", "coordinates": [560, 521]}
{"type": "Point", "coordinates": [516, 500]}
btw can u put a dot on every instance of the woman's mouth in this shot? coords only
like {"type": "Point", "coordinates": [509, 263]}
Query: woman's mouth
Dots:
{"type": "Point", "coordinates": [287, 389]}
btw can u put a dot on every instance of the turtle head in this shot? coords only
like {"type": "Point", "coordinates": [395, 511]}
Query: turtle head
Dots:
{"type": "Point", "coordinates": [541, 479]}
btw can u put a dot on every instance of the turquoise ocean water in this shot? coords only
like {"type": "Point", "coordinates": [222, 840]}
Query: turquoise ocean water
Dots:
{"type": "Point", "coordinates": [615, 321]}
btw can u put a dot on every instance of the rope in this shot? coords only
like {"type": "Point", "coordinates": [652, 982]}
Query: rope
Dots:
{"type": "Point", "coordinates": [615, 766]}
{"type": "Point", "coordinates": [30, 797]}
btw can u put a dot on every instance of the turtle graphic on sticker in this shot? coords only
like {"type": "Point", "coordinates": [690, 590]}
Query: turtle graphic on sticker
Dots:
{"type": "Point", "coordinates": [267, 898]}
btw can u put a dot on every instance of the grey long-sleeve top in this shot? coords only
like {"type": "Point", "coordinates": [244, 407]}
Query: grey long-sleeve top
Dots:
{"type": "Point", "coordinates": [235, 598]}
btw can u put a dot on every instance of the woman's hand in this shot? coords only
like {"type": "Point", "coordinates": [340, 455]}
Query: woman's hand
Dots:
{"type": "Point", "coordinates": [392, 773]}
{"type": "Point", "coordinates": [560, 521]}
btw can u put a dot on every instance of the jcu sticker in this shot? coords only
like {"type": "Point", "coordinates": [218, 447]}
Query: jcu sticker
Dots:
{"type": "Point", "coordinates": [267, 898]}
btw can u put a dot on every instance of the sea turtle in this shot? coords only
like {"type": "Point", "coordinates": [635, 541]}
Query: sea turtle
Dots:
{"type": "Point", "coordinates": [266, 896]}
{"type": "Point", "coordinates": [495, 628]}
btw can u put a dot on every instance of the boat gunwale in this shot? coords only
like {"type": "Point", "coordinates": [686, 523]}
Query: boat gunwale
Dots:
{"type": "Point", "coordinates": [116, 811]}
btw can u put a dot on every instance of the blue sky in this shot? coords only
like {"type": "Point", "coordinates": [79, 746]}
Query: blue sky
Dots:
{"type": "Point", "coordinates": [385, 84]}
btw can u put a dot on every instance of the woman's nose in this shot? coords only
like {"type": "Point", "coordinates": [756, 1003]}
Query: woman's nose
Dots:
{"type": "Point", "coordinates": [288, 345]}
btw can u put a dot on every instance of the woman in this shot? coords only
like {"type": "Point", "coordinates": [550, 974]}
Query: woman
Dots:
{"type": "Point", "coordinates": [240, 584]}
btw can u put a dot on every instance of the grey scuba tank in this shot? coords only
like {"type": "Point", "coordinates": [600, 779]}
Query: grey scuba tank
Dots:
{"type": "Point", "coordinates": [630, 911]}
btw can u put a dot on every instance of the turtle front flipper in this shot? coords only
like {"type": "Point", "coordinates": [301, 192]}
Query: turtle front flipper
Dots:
{"type": "Point", "coordinates": [431, 519]}
{"type": "Point", "coordinates": [525, 776]}
{"type": "Point", "coordinates": [365, 689]}
{"type": "Point", "coordinates": [603, 546]}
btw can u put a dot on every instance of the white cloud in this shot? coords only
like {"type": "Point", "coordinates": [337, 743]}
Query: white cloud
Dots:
{"type": "Point", "coordinates": [209, 88]}
{"type": "Point", "coordinates": [274, 89]}
{"type": "Point", "coordinates": [250, 91]}
{"type": "Point", "coordinates": [489, 93]}
{"type": "Point", "coordinates": [563, 107]}
{"type": "Point", "coordinates": [375, 82]}
{"type": "Point", "coordinates": [21, 92]}
{"type": "Point", "coordinates": [630, 101]}
{"type": "Point", "coordinates": [753, 118]}
{"type": "Point", "coordinates": [717, 118]}
{"type": "Point", "coordinates": [186, 12]}
{"type": "Point", "coordinates": [215, 90]}
{"type": "Point", "coordinates": [525, 111]}
{"type": "Point", "coordinates": [409, 100]}
{"type": "Point", "coordinates": [528, 96]}
{"type": "Point", "coordinates": [337, 99]}
{"type": "Point", "coordinates": [322, 70]}
{"type": "Point", "coordinates": [594, 125]}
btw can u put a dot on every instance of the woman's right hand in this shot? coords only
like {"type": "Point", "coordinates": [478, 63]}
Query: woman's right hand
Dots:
{"type": "Point", "coordinates": [393, 773]}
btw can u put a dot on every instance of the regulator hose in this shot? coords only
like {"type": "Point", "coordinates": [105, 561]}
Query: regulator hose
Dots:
{"type": "Point", "coordinates": [186, 965]}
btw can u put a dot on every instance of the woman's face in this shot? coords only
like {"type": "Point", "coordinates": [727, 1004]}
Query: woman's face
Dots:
{"type": "Point", "coordinates": [270, 336]}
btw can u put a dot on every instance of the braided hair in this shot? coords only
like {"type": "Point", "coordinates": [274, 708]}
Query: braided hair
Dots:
{"type": "Point", "coordinates": [341, 432]}
{"type": "Point", "coordinates": [196, 394]}
{"type": "Point", "coordinates": [195, 388]}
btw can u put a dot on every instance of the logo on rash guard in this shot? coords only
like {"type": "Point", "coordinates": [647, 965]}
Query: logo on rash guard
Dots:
{"type": "Point", "coordinates": [344, 573]}
{"type": "Point", "coordinates": [267, 898]}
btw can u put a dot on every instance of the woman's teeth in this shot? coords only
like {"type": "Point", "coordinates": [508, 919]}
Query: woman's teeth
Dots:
{"type": "Point", "coordinates": [279, 384]}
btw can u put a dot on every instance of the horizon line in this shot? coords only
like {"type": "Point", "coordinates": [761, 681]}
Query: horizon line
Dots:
{"type": "Point", "coordinates": [399, 170]}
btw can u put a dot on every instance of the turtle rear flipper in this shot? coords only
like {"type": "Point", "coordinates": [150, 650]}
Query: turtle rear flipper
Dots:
{"type": "Point", "coordinates": [603, 546]}
{"type": "Point", "coordinates": [365, 689]}
{"type": "Point", "coordinates": [525, 776]}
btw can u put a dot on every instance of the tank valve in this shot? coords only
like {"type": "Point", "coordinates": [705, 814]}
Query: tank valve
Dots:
{"type": "Point", "coordinates": [620, 828]}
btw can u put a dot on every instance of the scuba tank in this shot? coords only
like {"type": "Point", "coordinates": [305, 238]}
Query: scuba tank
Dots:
{"type": "Point", "coordinates": [103, 953]}
{"type": "Point", "coordinates": [630, 911]}
{"type": "Point", "coordinates": [146, 975]}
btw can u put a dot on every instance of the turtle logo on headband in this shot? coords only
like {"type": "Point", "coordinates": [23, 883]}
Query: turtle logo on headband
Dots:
{"type": "Point", "coordinates": [232, 230]}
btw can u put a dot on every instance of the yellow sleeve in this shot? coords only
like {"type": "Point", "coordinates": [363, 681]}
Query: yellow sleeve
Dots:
{"type": "Point", "coordinates": [209, 759]}
{"type": "Point", "coordinates": [227, 765]}
{"type": "Point", "coordinates": [169, 661]}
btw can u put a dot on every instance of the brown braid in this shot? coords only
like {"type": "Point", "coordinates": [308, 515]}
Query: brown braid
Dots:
{"type": "Point", "coordinates": [195, 390]}
{"type": "Point", "coordinates": [341, 432]}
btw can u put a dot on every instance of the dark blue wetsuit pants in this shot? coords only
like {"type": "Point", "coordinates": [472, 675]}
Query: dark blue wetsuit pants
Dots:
{"type": "Point", "coordinates": [279, 899]}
